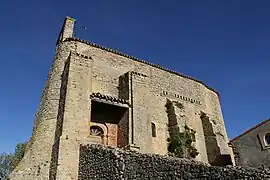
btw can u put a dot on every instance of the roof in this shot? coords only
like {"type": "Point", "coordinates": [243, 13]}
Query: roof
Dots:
{"type": "Point", "coordinates": [139, 60]}
{"type": "Point", "coordinates": [109, 98]}
{"type": "Point", "coordinates": [249, 130]}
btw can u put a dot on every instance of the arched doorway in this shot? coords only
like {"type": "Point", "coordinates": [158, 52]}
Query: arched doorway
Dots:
{"type": "Point", "coordinates": [115, 120]}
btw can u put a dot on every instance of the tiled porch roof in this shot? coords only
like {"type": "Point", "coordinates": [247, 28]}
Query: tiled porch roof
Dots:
{"type": "Point", "coordinates": [109, 98]}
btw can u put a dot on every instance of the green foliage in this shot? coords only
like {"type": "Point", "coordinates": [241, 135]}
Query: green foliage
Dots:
{"type": "Point", "coordinates": [5, 165]}
{"type": "Point", "coordinates": [18, 154]}
{"type": "Point", "coordinates": [8, 162]}
{"type": "Point", "coordinates": [180, 144]}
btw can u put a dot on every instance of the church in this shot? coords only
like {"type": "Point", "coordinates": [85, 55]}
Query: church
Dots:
{"type": "Point", "coordinates": [95, 94]}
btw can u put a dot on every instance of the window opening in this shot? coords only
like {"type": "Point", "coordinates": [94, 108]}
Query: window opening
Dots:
{"type": "Point", "coordinates": [267, 139]}
{"type": "Point", "coordinates": [153, 127]}
{"type": "Point", "coordinates": [96, 131]}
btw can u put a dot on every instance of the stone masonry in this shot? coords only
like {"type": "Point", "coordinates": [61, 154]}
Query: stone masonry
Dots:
{"type": "Point", "coordinates": [106, 163]}
{"type": "Point", "coordinates": [98, 95]}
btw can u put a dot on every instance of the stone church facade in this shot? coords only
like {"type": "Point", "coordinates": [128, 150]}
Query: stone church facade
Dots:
{"type": "Point", "coordinates": [98, 95]}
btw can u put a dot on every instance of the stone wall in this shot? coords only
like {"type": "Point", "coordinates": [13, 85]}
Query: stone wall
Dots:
{"type": "Point", "coordinates": [37, 159]}
{"type": "Point", "coordinates": [145, 86]}
{"type": "Point", "coordinates": [59, 124]}
{"type": "Point", "coordinates": [149, 88]}
{"type": "Point", "coordinates": [98, 162]}
{"type": "Point", "coordinates": [76, 125]}
{"type": "Point", "coordinates": [250, 149]}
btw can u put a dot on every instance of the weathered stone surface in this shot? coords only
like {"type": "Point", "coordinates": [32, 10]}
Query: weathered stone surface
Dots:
{"type": "Point", "coordinates": [99, 162]}
{"type": "Point", "coordinates": [65, 115]}
{"type": "Point", "coordinates": [36, 162]}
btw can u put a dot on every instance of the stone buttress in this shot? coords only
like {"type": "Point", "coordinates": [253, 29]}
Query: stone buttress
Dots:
{"type": "Point", "coordinates": [37, 159]}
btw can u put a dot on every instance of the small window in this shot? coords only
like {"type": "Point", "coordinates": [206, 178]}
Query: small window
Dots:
{"type": "Point", "coordinates": [267, 139]}
{"type": "Point", "coordinates": [96, 131]}
{"type": "Point", "coordinates": [154, 131]}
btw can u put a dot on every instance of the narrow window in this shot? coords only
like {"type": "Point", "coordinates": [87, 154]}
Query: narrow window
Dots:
{"type": "Point", "coordinates": [154, 132]}
{"type": "Point", "coordinates": [267, 139]}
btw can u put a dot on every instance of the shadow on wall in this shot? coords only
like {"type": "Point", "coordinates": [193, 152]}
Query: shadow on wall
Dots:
{"type": "Point", "coordinates": [215, 158]}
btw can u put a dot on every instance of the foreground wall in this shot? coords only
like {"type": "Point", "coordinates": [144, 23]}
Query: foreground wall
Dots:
{"type": "Point", "coordinates": [98, 162]}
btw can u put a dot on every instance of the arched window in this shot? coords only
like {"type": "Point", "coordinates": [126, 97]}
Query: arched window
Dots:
{"type": "Point", "coordinates": [154, 131]}
{"type": "Point", "coordinates": [267, 139]}
{"type": "Point", "coordinates": [96, 131]}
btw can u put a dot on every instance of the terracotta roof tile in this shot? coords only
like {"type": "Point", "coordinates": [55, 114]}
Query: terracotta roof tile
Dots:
{"type": "Point", "coordinates": [109, 98]}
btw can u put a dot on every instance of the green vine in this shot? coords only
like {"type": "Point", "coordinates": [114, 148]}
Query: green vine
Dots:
{"type": "Point", "coordinates": [180, 144]}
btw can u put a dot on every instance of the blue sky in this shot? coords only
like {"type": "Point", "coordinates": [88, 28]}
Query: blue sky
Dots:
{"type": "Point", "coordinates": [224, 43]}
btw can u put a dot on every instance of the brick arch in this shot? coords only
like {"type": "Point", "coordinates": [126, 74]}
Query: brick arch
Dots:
{"type": "Point", "coordinates": [96, 131]}
{"type": "Point", "coordinates": [102, 126]}
{"type": "Point", "coordinates": [104, 137]}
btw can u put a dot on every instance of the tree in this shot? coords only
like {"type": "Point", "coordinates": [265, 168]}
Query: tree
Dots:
{"type": "Point", "coordinates": [18, 154]}
{"type": "Point", "coordinates": [8, 162]}
{"type": "Point", "coordinates": [5, 165]}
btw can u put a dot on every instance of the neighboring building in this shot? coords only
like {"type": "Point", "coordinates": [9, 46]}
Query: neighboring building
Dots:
{"type": "Point", "coordinates": [252, 148]}
{"type": "Point", "coordinates": [98, 95]}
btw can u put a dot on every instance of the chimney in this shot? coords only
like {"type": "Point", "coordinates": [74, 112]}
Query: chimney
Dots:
{"type": "Point", "coordinates": [67, 30]}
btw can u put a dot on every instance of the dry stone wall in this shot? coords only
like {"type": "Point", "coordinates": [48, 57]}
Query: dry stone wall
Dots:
{"type": "Point", "coordinates": [99, 162]}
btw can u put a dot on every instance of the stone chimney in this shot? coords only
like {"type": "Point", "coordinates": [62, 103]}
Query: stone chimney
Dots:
{"type": "Point", "coordinates": [67, 30]}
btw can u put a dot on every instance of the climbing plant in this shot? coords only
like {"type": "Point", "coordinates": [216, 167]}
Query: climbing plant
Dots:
{"type": "Point", "coordinates": [180, 144]}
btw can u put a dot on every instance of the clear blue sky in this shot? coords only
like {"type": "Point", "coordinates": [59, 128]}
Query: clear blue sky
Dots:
{"type": "Point", "coordinates": [225, 43]}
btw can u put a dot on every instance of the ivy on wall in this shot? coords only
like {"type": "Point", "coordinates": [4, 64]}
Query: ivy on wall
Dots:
{"type": "Point", "coordinates": [180, 144]}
